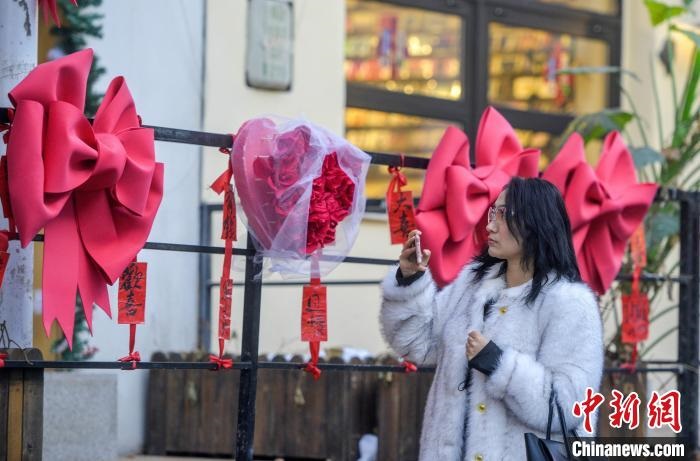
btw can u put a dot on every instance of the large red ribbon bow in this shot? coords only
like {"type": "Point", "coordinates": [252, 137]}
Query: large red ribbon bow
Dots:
{"type": "Point", "coordinates": [95, 189]}
{"type": "Point", "coordinates": [452, 211]}
{"type": "Point", "coordinates": [605, 205]}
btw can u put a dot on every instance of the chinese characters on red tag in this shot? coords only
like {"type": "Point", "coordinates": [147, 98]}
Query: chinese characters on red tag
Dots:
{"type": "Point", "coordinates": [635, 312]}
{"type": "Point", "coordinates": [225, 292]}
{"type": "Point", "coordinates": [228, 230]}
{"type": "Point", "coordinates": [402, 219]}
{"type": "Point", "coordinates": [314, 323]}
{"type": "Point", "coordinates": [132, 294]}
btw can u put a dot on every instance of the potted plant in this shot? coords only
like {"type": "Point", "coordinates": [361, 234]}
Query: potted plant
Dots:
{"type": "Point", "coordinates": [670, 160]}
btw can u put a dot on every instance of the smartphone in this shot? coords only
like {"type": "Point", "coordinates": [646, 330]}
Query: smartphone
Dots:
{"type": "Point", "coordinates": [419, 252]}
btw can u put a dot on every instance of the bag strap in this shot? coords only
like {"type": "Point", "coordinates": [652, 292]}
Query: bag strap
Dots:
{"type": "Point", "coordinates": [552, 402]}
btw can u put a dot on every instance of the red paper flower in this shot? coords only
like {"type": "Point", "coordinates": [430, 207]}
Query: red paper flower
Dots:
{"type": "Point", "coordinates": [331, 202]}
{"type": "Point", "coordinates": [95, 189]}
{"type": "Point", "coordinates": [295, 195]}
{"type": "Point", "coordinates": [605, 205]}
{"type": "Point", "coordinates": [452, 210]}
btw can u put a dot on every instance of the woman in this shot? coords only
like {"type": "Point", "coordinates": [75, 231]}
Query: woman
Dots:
{"type": "Point", "coordinates": [516, 321]}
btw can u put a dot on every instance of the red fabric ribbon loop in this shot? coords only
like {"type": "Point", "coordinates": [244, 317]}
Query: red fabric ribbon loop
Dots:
{"type": "Point", "coordinates": [221, 362]}
{"type": "Point", "coordinates": [451, 214]}
{"type": "Point", "coordinates": [133, 357]}
{"type": "Point", "coordinates": [398, 181]}
{"type": "Point", "coordinates": [3, 356]}
{"type": "Point", "coordinates": [221, 183]}
{"type": "Point", "coordinates": [314, 370]}
{"type": "Point", "coordinates": [312, 365]}
{"type": "Point", "coordinates": [605, 205]}
{"type": "Point", "coordinates": [409, 367]}
{"type": "Point", "coordinates": [95, 189]}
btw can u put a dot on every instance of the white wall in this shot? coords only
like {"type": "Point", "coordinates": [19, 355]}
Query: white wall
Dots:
{"type": "Point", "coordinates": [157, 45]}
{"type": "Point", "coordinates": [318, 93]}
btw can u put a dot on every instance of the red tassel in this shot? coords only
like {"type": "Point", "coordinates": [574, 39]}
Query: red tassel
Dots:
{"type": "Point", "coordinates": [409, 367]}
{"type": "Point", "coordinates": [133, 357]}
{"type": "Point", "coordinates": [312, 366]}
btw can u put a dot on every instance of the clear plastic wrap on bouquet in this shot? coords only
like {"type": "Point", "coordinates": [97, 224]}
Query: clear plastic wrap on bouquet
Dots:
{"type": "Point", "coordinates": [302, 192]}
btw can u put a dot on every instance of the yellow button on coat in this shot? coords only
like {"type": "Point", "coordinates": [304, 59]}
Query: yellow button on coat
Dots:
{"type": "Point", "coordinates": [503, 309]}
{"type": "Point", "coordinates": [478, 457]}
{"type": "Point", "coordinates": [481, 407]}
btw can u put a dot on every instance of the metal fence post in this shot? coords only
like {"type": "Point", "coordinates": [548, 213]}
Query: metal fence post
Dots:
{"type": "Point", "coordinates": [249, 353]}
{"type": "Point", "coordinates": [688, 314]}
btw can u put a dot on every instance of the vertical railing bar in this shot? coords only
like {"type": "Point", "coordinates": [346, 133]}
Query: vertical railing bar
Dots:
{"type": "Point", "coordinates": [688, 315]}
{"type": "Point", "coordinates": [204, 323]}
{"type": "Point", "coordinates": [245, 430]}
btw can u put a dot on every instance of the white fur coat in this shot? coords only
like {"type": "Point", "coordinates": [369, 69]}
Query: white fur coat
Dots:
{"type": "Point", "coordinates": [559, 337]}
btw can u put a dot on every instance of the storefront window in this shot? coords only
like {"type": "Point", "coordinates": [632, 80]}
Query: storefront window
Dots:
{"type": "Point", "coordinates": [377, 131]}
{"type": "Point", "coordinates": [523, 70]}
{"type": "Point", "coordinates": [404, 50]}
{"type": "Point", "coordinates": [538, 140]}
{"type": "Point", "coordinates": [596, 6]}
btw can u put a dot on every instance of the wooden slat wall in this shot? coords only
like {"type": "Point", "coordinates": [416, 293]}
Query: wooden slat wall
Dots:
{"type": "Point", "coordinates": [194, 412]}
{"type": "Point", "coordinates": [21, 409]}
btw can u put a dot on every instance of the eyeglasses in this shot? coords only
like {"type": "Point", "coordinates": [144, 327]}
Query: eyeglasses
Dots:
{"type": "Point", "coordinates": [496, 212]}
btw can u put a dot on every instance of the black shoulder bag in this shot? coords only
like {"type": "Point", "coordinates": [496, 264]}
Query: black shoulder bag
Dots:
{"type": "Point", "coordinates": [538, 449]}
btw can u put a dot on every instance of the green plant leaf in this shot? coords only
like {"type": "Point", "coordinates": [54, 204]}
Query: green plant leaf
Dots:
{"type": "Point", "coordinates": [598, 124]}
{"type": "Point", "coordinates": [663, 224]}
{"type": "Point", "coordinates": [644, 156]}
{"type": "Point", "coordinates": [660, 12]}
{"type": "Point", "coordinates": [688, 33]}
{"type": "Point", "coordinates": [598, 70]}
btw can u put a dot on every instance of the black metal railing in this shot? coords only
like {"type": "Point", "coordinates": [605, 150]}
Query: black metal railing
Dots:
{"type": "Point", "coordinates": [689, 306]}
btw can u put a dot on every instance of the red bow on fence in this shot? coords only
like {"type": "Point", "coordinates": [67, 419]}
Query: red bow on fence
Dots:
{"type": "Point", "coordinates": [605, 205]}
{"type": "Point", "coordinates": [95, 189]}
{"type": "Point", "coordinates": [452, 210]}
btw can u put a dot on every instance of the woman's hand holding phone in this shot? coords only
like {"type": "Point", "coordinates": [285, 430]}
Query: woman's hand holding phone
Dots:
{"type": "Point", "coordinates": [408, 263]}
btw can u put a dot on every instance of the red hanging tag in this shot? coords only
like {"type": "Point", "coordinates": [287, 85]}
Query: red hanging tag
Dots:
{"type": "Point", "coordinates": [132, 304]}
{"type": "Point", "coordinates": [225, 293]}
{"type": "Point", "coordinates": [635, 317]}
{"type": "Point", "coordinates": [228, 230]}
{"type": "Point", "coordinates": [314, 321]}
{"type": "Point", "coordinates": [228, 234]}
{"type": "Point", "coordinates": [399, 206]}
{"type": "Point", "coordinates": [132, 294]}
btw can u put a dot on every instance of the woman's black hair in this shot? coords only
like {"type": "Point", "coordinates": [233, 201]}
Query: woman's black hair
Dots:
{"type": "Point", "coordinates": [537, 218]}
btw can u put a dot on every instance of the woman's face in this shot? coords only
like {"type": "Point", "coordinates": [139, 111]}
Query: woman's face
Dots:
{"type": "Point", "coordinates": [502, 244]}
